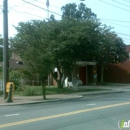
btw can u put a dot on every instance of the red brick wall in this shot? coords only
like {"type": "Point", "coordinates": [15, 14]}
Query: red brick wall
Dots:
{"type": "Point", "coordinates": [118, 73]}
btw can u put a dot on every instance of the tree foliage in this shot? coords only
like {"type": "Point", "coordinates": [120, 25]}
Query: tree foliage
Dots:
{"type": "Point", "coordinates": [31, 44]}
{"type": "Point", "coordinates": [79, 35]}
{"type": "Point", "coordinates": [79, 13]}
{"type": "Point", "coordinates": [111, 49]}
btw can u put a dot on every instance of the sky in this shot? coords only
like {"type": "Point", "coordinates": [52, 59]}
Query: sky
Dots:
{"type": "Point", "coordinates": [114, 13]}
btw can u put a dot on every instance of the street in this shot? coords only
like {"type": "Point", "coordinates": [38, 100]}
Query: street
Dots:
{"type": "Point", "coordinates": [93, 112]}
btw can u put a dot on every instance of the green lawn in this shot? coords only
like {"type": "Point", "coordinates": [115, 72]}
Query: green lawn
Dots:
{"type": "Point", "coordinates": [37, 90]}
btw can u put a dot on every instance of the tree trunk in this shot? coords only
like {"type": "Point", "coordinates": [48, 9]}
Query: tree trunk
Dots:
{"type": "Point", "coordinates": [61, 81]}
{"type": "Point", "coordinates": [44, 90]}
{"type": "Point", "coordinates": [60, 84]}
{"type": "Point", "coordinates": [102, 73]}
{"type": "Point", "coordinates": [58, 79]}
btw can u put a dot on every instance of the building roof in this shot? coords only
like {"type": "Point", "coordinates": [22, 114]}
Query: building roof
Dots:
{"type": "Point", "coordinates": [85, 63]}
{"type": "Point", "coordinates": [14, 64]}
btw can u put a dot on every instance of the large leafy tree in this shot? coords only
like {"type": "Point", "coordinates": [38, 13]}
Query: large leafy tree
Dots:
{"type": "Point", "coordinates": [73, 38]}
{"type": "Point", "coordinates": [79, 13]}
{"type": "Point", "coordinates": [31, 44]}
{"type": "Point", "coordinates": [58, 48]}
{"type": "Point", "coordinates": [70, 41]}
{"type": "Point", "coordinates": [111, 49]}
{"type": "Point", "coordinates": [96, 41]}
{"type": "Point", "coordinates": [78, 36]}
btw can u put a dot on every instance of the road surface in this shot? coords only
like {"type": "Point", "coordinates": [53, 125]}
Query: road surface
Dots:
{"type": "Point", "coordinates": [93, 112]}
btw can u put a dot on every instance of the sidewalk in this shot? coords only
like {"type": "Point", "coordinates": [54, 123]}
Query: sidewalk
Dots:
{"type": "Point", "coordinates": [21, 100]}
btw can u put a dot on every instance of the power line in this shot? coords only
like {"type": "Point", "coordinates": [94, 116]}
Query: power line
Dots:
{"type": "Point", "coordinates": [22, 4]}
{"type": "Point", "coordinates": [115, 6]}
{"type": "Point", "coordinates": [123, 34]}
{"type": "Point", "coordinates": [118, 24]}
{"type": "Point", "coordinates": [17, 12]}
{"type": "Point", "coordinates": [121, 3]}
{"type": "Point", "coordinates": [27, 13]}
{"type": "Point", "coordinates": [34, 15]}
{"type": "Point", "coordinates": [50, 5]}
{"type": "Point", "coordinates": [127, 1]}
{"type": "Point", "coordinates": [42, 8]}
{"type": "Point", "coordinates": [115, 20]}
{"type": "Point", "coordinates": [126, 38]}
{"type": "Point", "coordinates": [25, 16]}
{"type": "Point", "coordinates": [23, 7]}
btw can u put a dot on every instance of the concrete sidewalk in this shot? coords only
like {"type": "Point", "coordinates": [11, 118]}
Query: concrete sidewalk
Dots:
{"type": "Point", "coordinates": [21, 100]}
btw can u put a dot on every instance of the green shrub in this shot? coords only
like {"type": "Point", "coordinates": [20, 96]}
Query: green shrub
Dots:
{"type": "Point", "coordinates": [37, 90]}
{"type": "Point", "coordinates": [1, 92]}
{"type": "Point", "coordinates": [15, 76]}
{"type": "Point", "coordinates": [29, 91]}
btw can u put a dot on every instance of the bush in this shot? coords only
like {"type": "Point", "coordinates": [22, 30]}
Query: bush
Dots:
{"type": "Point", "coordinates": [15, 76]}
{"type": "Point", "coordinates": [37, 90]}
{"type": "Point", "coordinates": [1, 92]}
{"type": "Point", "coordinates": [29, 91]}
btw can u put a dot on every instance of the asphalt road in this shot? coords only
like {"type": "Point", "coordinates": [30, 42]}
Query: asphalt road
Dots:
{"type": "Point", "coordinates": [93, 112]}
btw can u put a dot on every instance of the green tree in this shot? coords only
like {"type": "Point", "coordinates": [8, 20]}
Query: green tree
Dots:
{"type": "Point", "coordinates": [79, 13]}
{"type": "Point", "coordinates": [111, 50]}
{"type": "Point", "coordinates": [31, 44]}
{"type": "Point", "coordinates": [70, 41]}
{"type": "Point", "coordinates": [73, 38]}
{"type": "Point", "coordinates": [59, 41]}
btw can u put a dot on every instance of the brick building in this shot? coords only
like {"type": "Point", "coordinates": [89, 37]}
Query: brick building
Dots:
{"type": "Point", "coordinates": [118, 73]}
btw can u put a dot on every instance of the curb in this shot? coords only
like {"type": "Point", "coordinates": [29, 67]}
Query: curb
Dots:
{"type": "Point", "coordinates": [38, 102]}
{"type": "Point", "coordinates": [56, 100]}
{"type": "Point", "coordinates": [103, 93]}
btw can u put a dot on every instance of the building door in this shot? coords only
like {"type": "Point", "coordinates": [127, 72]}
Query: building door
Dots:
{"type": "Point", "coordinates": [82, 75]}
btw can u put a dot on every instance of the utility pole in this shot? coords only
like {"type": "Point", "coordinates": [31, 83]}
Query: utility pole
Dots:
{"type": "Point", "coordinates": [5, 45]}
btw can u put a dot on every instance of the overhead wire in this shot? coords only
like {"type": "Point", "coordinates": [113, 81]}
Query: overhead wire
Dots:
{"type": "Point", "coordinates": [117, 24]}
{"type": "Point", "coordinates": [127, 1]}
{"type": "Point", "coordinates": [120, 3]}
{"type": "Point", "coordinates": [117, 20]}
{"type": "Point", "coordinates": [18, 12]}
{"type": "Point", "coordinates": [123, 34]}
{"type": "Point", "coordinates": [22, 4]}
{"type": "Point", "coordinates": [61, 15]}
{"type": "Point", "coordinates": [126, 38]}
{"type": "Point", "coordinates": [114, 20]}
{"type": "Point", "coordinates": [42, 8]}
{"type": "Point", "coordinates": [24, 7]}
{"type": "Point", "coordinates": [115, 6]}
{"type": "Point", "coordinates": [26, 13]}
{"type": "Point", "coordinates": [34, 15]}
{"type": "Point", "coordinates": [14, 8]}
{"type": "Point", "coordinates": [23, 16]}
{"type": "Point", "coordinates": [50, 5]}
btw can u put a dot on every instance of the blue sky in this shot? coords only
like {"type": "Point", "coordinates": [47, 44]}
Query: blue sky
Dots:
{"type": "Point", "coordinates": [106, 10]}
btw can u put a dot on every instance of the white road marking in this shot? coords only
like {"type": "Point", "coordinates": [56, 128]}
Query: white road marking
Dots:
{"type": "Point", "coordinates": [12, 115]}
{"type": "Point", "coordinates": [91, 104]}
